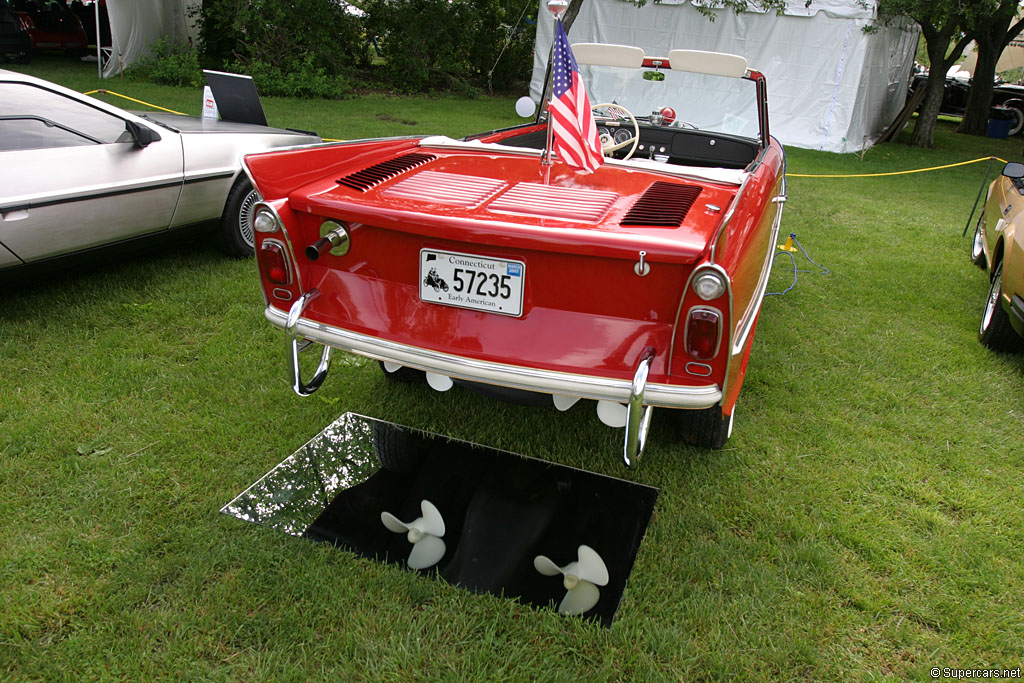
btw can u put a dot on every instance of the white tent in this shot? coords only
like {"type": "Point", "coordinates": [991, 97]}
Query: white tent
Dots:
{"type": "Point", "coordinates": [832, 85]}
{"type": "Point", "coordinates": [1012, 57]}
{"type": "Point", "coordinates": [136, 24]}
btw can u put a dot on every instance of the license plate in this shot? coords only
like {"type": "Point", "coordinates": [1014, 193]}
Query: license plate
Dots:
{"type": "Point", "coordinates": [475, 282]}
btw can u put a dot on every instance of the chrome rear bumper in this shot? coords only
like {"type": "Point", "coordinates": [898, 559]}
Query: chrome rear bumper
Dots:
{"type": "Point", "coordinates": [514, 376]}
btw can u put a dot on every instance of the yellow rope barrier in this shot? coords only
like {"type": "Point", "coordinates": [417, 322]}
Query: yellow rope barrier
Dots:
{"type": "Point", "coordinates": [790, 175]}
{"type": "Point", "coordinates": [147, 104]}
{"type": "Point", "coordinates": [877, 175]}
{"type": "Point", "coordinates": [132, 99]}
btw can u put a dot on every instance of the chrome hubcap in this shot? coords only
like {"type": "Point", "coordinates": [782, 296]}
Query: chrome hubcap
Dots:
{"type": "Point", "coordinates": [990, 305]}
{"type": "Point", "coordinates": [1018, 121]}
{"type": "Point", "coordinates": [977, 247]}
{"type": "Point", "coordinates": [245, 216]}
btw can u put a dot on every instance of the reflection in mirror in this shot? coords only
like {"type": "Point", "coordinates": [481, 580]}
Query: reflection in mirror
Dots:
{"type": "Point", "coordinates": [471, 515]}
{"type": "Point", "coordinates": [654, 76]}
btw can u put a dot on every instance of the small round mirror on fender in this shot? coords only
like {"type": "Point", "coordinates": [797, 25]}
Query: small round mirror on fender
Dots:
{"type": "Point", "coordinates": [525, 107]}
{"type": "Point", "coordinates": [1014, 170]}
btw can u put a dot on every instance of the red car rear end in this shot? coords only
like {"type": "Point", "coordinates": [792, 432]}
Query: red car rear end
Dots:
{"type": "Point", "coordinates": [637, 285]}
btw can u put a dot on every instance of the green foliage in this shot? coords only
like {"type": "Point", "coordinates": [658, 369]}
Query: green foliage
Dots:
{"type": "Point", "coordinates": [168, 64]}
{"type": "Point", "coordinates": [283, 44]}
{"type": "Point", "coordinates": [460, 45]}
{"type": "Point", "coordinates": [303, 79]}
{"type": "Point", "coordinates": [318, 48]}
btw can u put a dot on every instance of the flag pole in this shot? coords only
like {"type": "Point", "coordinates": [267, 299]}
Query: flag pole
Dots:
{"type": "Point", "coordinates": [557, 9]}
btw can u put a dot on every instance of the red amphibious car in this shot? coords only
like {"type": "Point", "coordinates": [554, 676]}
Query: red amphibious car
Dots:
{"type": "Point", "coordinates": [484, 261]}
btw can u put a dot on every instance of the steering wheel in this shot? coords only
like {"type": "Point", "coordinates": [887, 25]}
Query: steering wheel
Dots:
{"type": "Point", "coordinates": [608, 145]}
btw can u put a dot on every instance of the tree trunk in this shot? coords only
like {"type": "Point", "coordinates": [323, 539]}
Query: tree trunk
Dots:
{"type": "Point", "coordinates": [937, 43]}
{"type": "Point", "coordinates": [991, 36]}
{"type": "Point", "coordinates": [979, 98]}
{"type": "Point", "coordinates": [928, 114]}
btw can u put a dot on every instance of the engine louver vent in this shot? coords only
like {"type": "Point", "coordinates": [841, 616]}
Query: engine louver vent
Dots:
{"type": "Point", "coordinates": [375, 175]}
{"type": "Point", "coordinates": [662, 205]}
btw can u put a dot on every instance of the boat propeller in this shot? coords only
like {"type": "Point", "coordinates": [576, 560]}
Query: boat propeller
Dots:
{"type": "Point", "coordinates": [580, 578]}
{"type": "Point", "coordinates": [424, 533]}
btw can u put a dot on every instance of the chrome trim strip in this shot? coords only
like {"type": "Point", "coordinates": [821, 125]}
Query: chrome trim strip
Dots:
{"type": "Point", "coordinates": [80, 196]}
{"type": "Point", "coordinates": [199, 177]}
{"type": "Point", "coordinates": [747, 321]}
{"type": "Point", "coordinates": [518, 377]}
{"type": "Point", "coordinates": [638, 419]}
{"type": "Point", "coordinates": [692, 368]}
{"type": "Point", "coordinates": [728, 216]}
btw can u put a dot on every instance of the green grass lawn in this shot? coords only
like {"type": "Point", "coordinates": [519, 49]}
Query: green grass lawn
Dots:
{"type": "Point", "coordinates": [865, 520]}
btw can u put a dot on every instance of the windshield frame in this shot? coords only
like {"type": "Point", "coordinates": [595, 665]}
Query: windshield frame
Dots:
{"type": "Point", "coordinates": [663, 63]}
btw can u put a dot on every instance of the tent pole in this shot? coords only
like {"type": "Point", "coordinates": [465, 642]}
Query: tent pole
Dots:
{"type": "Point", "coordinates": [99, 50]}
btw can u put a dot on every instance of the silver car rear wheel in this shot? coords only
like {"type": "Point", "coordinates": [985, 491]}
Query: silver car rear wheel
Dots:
{"type": "Point", "coordinates": [236, 236]}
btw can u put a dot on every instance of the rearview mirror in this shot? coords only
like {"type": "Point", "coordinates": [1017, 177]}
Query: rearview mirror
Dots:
{"type": "Point", "coordinates": [141, 135]}
{"type": "Point", "coordinates": [654, 76]}
{"type": "Point", "coordinates": [1014, 170]}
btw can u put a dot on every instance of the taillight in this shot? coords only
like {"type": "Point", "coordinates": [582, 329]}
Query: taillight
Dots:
{"type": "Point", "coordinates": [274, 263]}
{"type": "Point", "coordinates": [703, 333]}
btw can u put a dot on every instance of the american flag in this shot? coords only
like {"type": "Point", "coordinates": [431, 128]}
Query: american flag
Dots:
{"type": "Point", "coordinates": [575, 132]}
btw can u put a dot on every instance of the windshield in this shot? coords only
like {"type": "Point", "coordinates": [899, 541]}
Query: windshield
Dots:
{"type": "Point", "coordinates": [713, 103]}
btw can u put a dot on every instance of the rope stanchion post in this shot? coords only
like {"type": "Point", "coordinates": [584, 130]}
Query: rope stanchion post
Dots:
{"type": "Point", "coordinates": [981, 189]}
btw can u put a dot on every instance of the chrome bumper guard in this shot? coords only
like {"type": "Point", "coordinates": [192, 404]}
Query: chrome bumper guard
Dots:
{"type": "Point", "coordinates": [290, 326]}
{"type": "Point", "coordinates": [638, 419]}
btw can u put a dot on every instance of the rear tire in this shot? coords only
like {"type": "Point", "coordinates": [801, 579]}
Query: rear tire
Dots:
{"type": "Point", "coordinates": [978, 244]}
{"type": "Point", "coordinates": [236, 234]}
{"type": "Point", "coordinates": [996, 332]}
{"type": "Point", "coordinates": [397, 449]}
{"type": "Point", "coordinates": [708, 428]}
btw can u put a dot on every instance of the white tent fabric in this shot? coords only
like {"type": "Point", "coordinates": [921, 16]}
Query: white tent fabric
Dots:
{"type": "Point", "coordinates": [136, 24]}
{"type": "Point", "coordinates": [832, 86]}
{"type": "Point", "coordinates": [1012, 57]}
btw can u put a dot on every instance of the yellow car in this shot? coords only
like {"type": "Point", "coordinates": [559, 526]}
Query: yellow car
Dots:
{"type": "Point", "coordinates": [998, 247]}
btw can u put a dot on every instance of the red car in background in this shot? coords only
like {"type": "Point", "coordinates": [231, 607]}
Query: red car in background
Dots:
{"type": "Point", "coordinates": [52, 26]}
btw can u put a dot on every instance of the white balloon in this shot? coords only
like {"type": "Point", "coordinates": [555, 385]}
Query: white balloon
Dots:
{"type": "Point", "coordinates": [525, 107]}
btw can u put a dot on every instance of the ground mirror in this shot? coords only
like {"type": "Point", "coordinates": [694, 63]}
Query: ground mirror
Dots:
{"type": "Point", "coordinates": [483, 519]}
